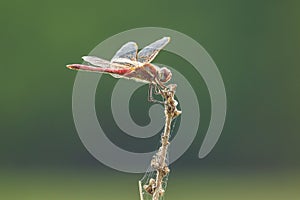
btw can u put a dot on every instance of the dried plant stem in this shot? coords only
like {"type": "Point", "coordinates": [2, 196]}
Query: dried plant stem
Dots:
{"type": "Point", "coordinates": [141, 190]}
{"type": "Point", "coordinates": [170, 113]}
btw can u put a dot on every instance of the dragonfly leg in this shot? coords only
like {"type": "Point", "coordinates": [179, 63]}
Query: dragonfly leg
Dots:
{"type": "Point", "coordinates": [150, 95]}
{"type": "Point", "coordinates": [157, 90]}
{"type": "Point", "coordinates": [159, 83]}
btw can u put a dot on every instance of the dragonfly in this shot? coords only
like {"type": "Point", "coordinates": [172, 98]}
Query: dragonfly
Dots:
{"type": "Point", "coordinates": [129, 63]}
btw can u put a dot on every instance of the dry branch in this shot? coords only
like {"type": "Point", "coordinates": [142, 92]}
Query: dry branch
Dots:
{"type": "Point", "coordinates": [159, 161]}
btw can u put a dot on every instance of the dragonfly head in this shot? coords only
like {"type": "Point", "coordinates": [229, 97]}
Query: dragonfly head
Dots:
{"type": "Point", "coordinates": [164, 75]}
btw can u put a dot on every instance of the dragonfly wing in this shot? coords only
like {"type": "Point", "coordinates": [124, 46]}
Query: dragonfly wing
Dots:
{"type": "Point", "coordinates": [148, 53]}
{"type": "Point", "coordinates": [97, 61]}
{"type": "Point", "coordinates": [127, 52]}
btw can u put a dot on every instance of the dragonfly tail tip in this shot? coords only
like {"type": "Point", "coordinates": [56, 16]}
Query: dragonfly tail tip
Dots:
{"type": "Point", "coordinates": [75, 67]}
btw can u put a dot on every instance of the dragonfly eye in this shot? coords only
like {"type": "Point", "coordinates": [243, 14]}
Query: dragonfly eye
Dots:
{"type": "Point", "coordinates": [164, 75]}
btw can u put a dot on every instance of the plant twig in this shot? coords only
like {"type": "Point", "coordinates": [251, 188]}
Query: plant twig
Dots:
{"type": "Point", "coordinates": [141, 191]}
{"type": "Point", "coordinates": [159, 160]}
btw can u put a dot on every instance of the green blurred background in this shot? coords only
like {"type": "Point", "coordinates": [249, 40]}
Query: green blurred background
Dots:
{"type": "Point", "coordinates": [256, 46]}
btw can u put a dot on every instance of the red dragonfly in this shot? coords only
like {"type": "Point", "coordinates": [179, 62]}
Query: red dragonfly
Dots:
{"type": "Point", "coordinates": [130, 64]}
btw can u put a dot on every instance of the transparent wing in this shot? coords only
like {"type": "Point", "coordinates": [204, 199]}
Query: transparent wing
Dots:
{"type": "Point", "coordinates": [127, 52]}
{"type": "Point", "coordinates": [99, 62]}
{"type": "Point", "coordinates": [148, 53]}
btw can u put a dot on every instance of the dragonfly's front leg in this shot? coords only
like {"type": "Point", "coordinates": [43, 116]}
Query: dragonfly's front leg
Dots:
{"type": "Point", "coordinates": [161, 84]}
{"type": "Point", "coordinates": [157, 90]}
{"type": "Point", "coordinates": [150, 95]}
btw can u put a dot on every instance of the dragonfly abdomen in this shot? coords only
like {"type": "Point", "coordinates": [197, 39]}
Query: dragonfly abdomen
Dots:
{"type": "Point", "coordinates": [119, 71]}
